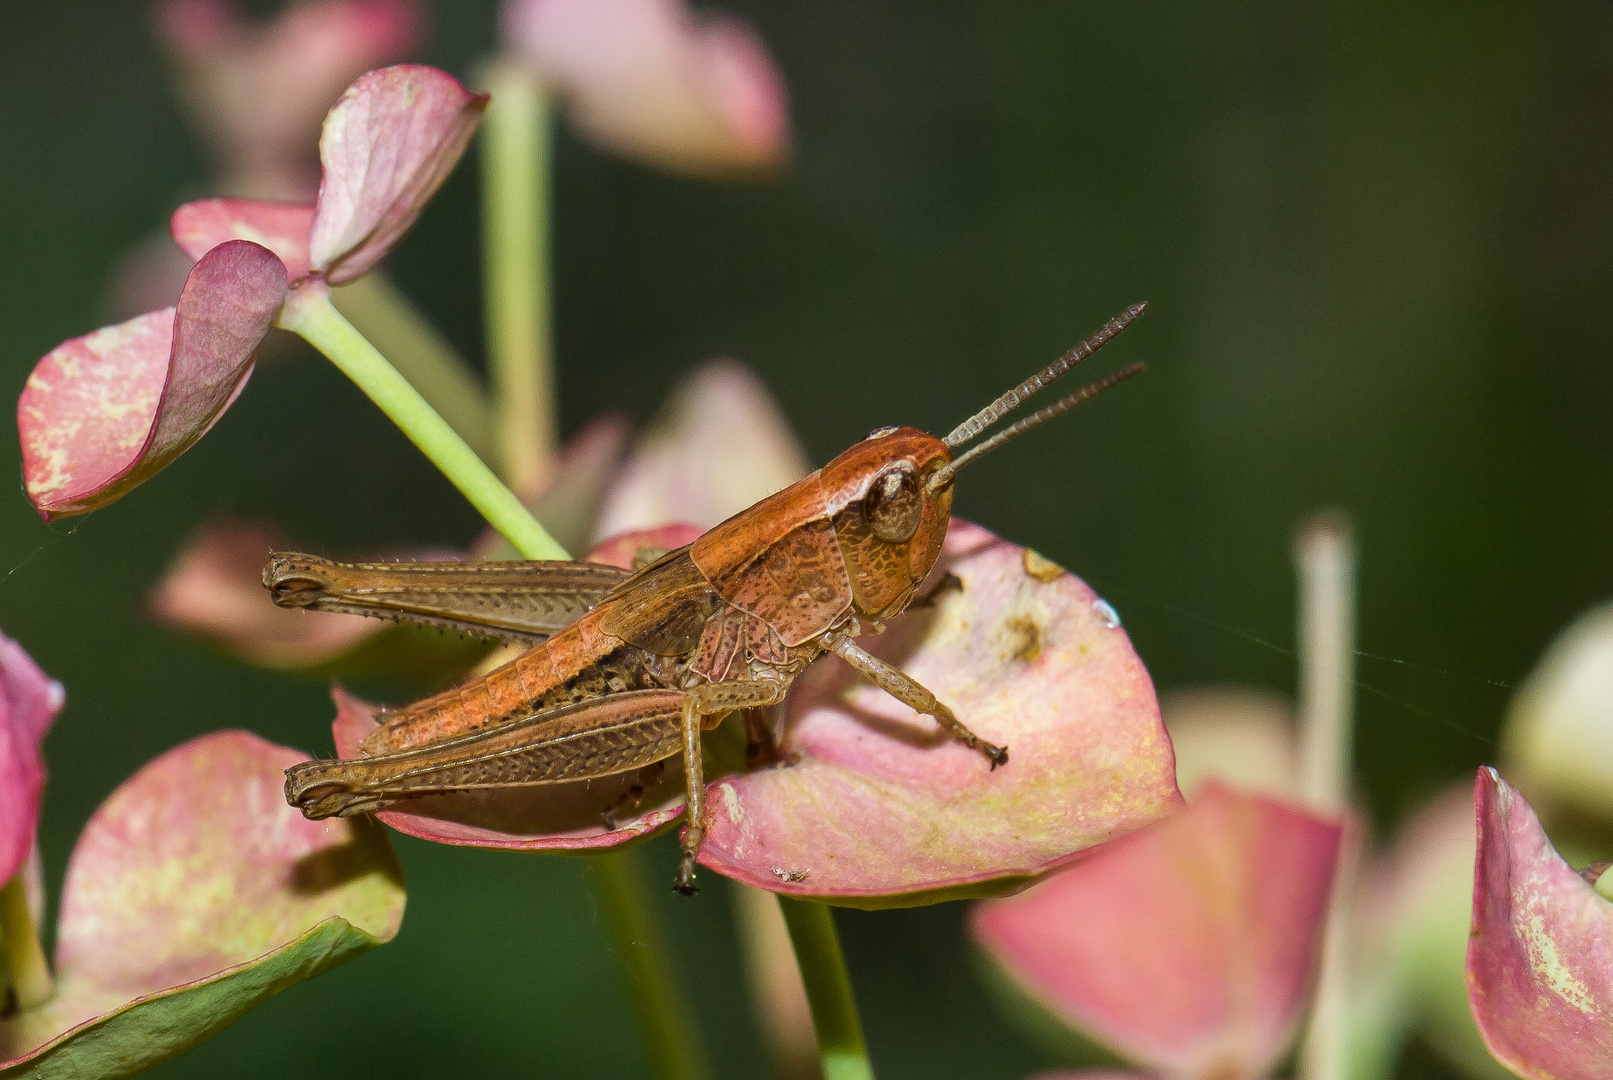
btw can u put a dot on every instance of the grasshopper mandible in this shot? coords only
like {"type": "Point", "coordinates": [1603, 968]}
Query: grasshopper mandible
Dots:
{"type": "Point", "coordinates": [627, 668]}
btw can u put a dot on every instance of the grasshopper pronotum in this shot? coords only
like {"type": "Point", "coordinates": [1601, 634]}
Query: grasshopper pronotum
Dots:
{"type": "Point", "coordinates": [626, 668]}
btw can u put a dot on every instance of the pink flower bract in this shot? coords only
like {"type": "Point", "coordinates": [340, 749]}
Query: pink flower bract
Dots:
{"type": "Point", "coordinates": [103, 413]}
{"type": "Point", "coordinates": [29, 702]}
{"type": "Point", "coordinates": [1188, 948]}
{"type": "Point", "coordinates": [652, 81]}
{"type": "Point", "coordinates": [1540, 955]}
{"type": "Point", "coordinates": [388, 145]}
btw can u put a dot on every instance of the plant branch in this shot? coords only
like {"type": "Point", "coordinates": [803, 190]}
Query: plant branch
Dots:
{"type": "Point", "coordinates": [309, 312]}
{"type": "Point", "coordinates": [828, 986]}
{"type": "Point", "coordinates": [392, 323]}
{"type": "Point", "coordinates": [515, 245]}
{"type": "Point", "coordinates": [670, 1035]}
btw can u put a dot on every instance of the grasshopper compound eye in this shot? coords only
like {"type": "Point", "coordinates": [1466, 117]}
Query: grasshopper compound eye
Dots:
{"type": "Point", "coordinates": [895, 504]}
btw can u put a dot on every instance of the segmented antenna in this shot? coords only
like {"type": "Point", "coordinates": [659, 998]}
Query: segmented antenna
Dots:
{"type": "Point", "coordinates": [988, 416]}
{"type": "Point", "coordinates": [943, 476]}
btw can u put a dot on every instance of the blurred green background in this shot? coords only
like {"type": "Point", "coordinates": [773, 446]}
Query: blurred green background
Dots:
{"type": "Point", "coordinates": [1375, 238]}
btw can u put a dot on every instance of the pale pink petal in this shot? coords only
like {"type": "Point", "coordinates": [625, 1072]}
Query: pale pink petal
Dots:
{"type": "Point", "coordinates": [103, 413]}
{"type": "Point", "coordinates": [200, 226]}
{"type": "Point", "coordinates": [388, 145]}
{"type": "Point", "coordinates": [718, 446]}
{"type": "Point", "coordinates": [881, 808]}
{"type": "Point", "coordinates": [29, 701]}
{"type": "Point", "coordinates": [1188, 948]}
{"type": "Point", "coordinates": [1239, 734]}
{"type": "Point", "coordinates": [1540, 957]}
{"type": "Point", "coordinates": [552, 817]}
{"type": "Point", "coordinates": [650, 80]}
{"type": "Point", "coordinates": [1557, 743]}
{"type": "Point", "coordinates": [193, 894]}
{"type": "Point", "coordinates": [1413, 911]}
{"type": "Point", "coordinates": [258, 90]}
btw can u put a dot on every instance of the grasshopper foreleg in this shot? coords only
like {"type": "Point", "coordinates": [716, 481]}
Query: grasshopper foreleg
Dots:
{"type": "Point", "coordinates": [899, 685]}
{"type": "Point", "coordinates": [705, 706]}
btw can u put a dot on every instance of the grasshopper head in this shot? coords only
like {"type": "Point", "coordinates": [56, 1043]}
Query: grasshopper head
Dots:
{"type": "Point", "coordinates": [888, 519]}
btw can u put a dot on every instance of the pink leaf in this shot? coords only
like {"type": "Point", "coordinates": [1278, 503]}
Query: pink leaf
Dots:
{"type": "Point", "coordinates": [103, 413]}
{"type": "Point", "coordinates": [200, 226]}
{"type": "Point", "coordinates": [213, 591]}
{"type": "Point", "coordinates": [1540, 955]}
{"type": "Point", "coordinates": [881, 804]}
{"type": "Point", "coordinates": [257, 91]}
{"type": "Point", "coordinates": [719, 445]}
{"type": "Point", "coordinates": [651, 81]}
{"type": "Point", "coordinates": [29, 701]}
{"type": "Point", "coordinates": [552, 817]}
{"type": "Point", "coordinates": [1189, 947]}
{"type": "Point", "coordinates": [388, 145]}
{"type": "Point", "coordinates": [193, 894]}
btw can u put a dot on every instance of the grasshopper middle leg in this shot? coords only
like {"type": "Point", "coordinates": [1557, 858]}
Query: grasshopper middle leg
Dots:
{"type": "Point", "coordinates": [705, 706]}
{"type": "Point", "coordinates": [904, 688]}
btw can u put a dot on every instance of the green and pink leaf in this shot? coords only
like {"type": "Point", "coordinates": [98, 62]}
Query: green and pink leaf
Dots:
{"type": "Point", "coordinates": [194, 894]}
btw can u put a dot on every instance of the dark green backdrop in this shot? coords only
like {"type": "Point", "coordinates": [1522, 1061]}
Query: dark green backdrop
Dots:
{"type": "Point", "coordinates": [1376, 238]}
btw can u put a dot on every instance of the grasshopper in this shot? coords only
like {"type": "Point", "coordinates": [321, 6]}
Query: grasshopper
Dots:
{"type": "Point", "coordinates": [627, 667]}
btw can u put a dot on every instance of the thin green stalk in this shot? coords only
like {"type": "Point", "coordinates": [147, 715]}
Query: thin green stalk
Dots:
{"type": "Point", "coordinates": [828, 987]}
{"type": "Point", "coordinates": [1324, 555]}
{"type": "Point", "coordinates": [310, 313]}
{"type": "Point", "coordinates": [391, 323]}
{"type": "Point", "coordinates": [516, 136]}
{"type": "Point", "coordinates": [19, 941]}
{"type": "Point", "coordinates": [670, 1034]}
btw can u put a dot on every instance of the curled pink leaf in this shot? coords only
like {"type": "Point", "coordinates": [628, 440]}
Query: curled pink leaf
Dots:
{"type": "Point", "coordinates": [1189, 947]}
{"type": "Point", "coordinates": [719, 445]}
{"type": "Point", "coordinates": [257, 91]}
{"type": "Point", "coordinates": [213, 592]}
{"type": "Point", "coordinates": [388, 145]}
{"type": "Point", "coordinates": [1540, 955]}
{"type": "Point", "coordinates": [29, 702]}
{"type": "Point", "coordinates": [103, 413]}
{"type": "Point", "coordinates": [283, 228]}
{"type": "Point", "coordinates": [193, 894]}
{"type": "Point", "coordinates": [551, 817]}
{"type": "Point", "coordinates": [880, 807]}
{"type": "Point", "coordinates": [652, 81]}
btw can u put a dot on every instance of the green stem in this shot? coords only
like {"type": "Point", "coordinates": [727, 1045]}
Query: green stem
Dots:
{"type": "Point", "coordinates": [515, 246]}
{"type": "Point", "coordinates": [310, 313]}
{"type": "Point", "coordinates": [1324, 555]}
{"type": "Point", "coordinates": [828, 987]}
{"type": "Point", "coordinates": [388, 319]}
{"type": "Point", "coordinates": [19, 941]}
{"type": "Point", "coordinates": [670, 1035]}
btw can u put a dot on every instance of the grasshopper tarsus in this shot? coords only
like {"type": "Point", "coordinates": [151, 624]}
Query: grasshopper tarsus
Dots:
{"type": "Point", "coordinates": [947, 582]}
{"type": "Point", "coordinates": [997, 755]}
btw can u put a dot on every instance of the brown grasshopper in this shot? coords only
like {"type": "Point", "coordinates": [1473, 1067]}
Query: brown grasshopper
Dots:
{"type": "Point", "coordinates": [626, 668]}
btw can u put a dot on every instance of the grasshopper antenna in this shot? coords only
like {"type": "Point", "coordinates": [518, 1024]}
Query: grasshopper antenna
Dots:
{"type": "Point", "coordinates": [943, 476]}
{"type": "Point", "coordinates": [988, 416]}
